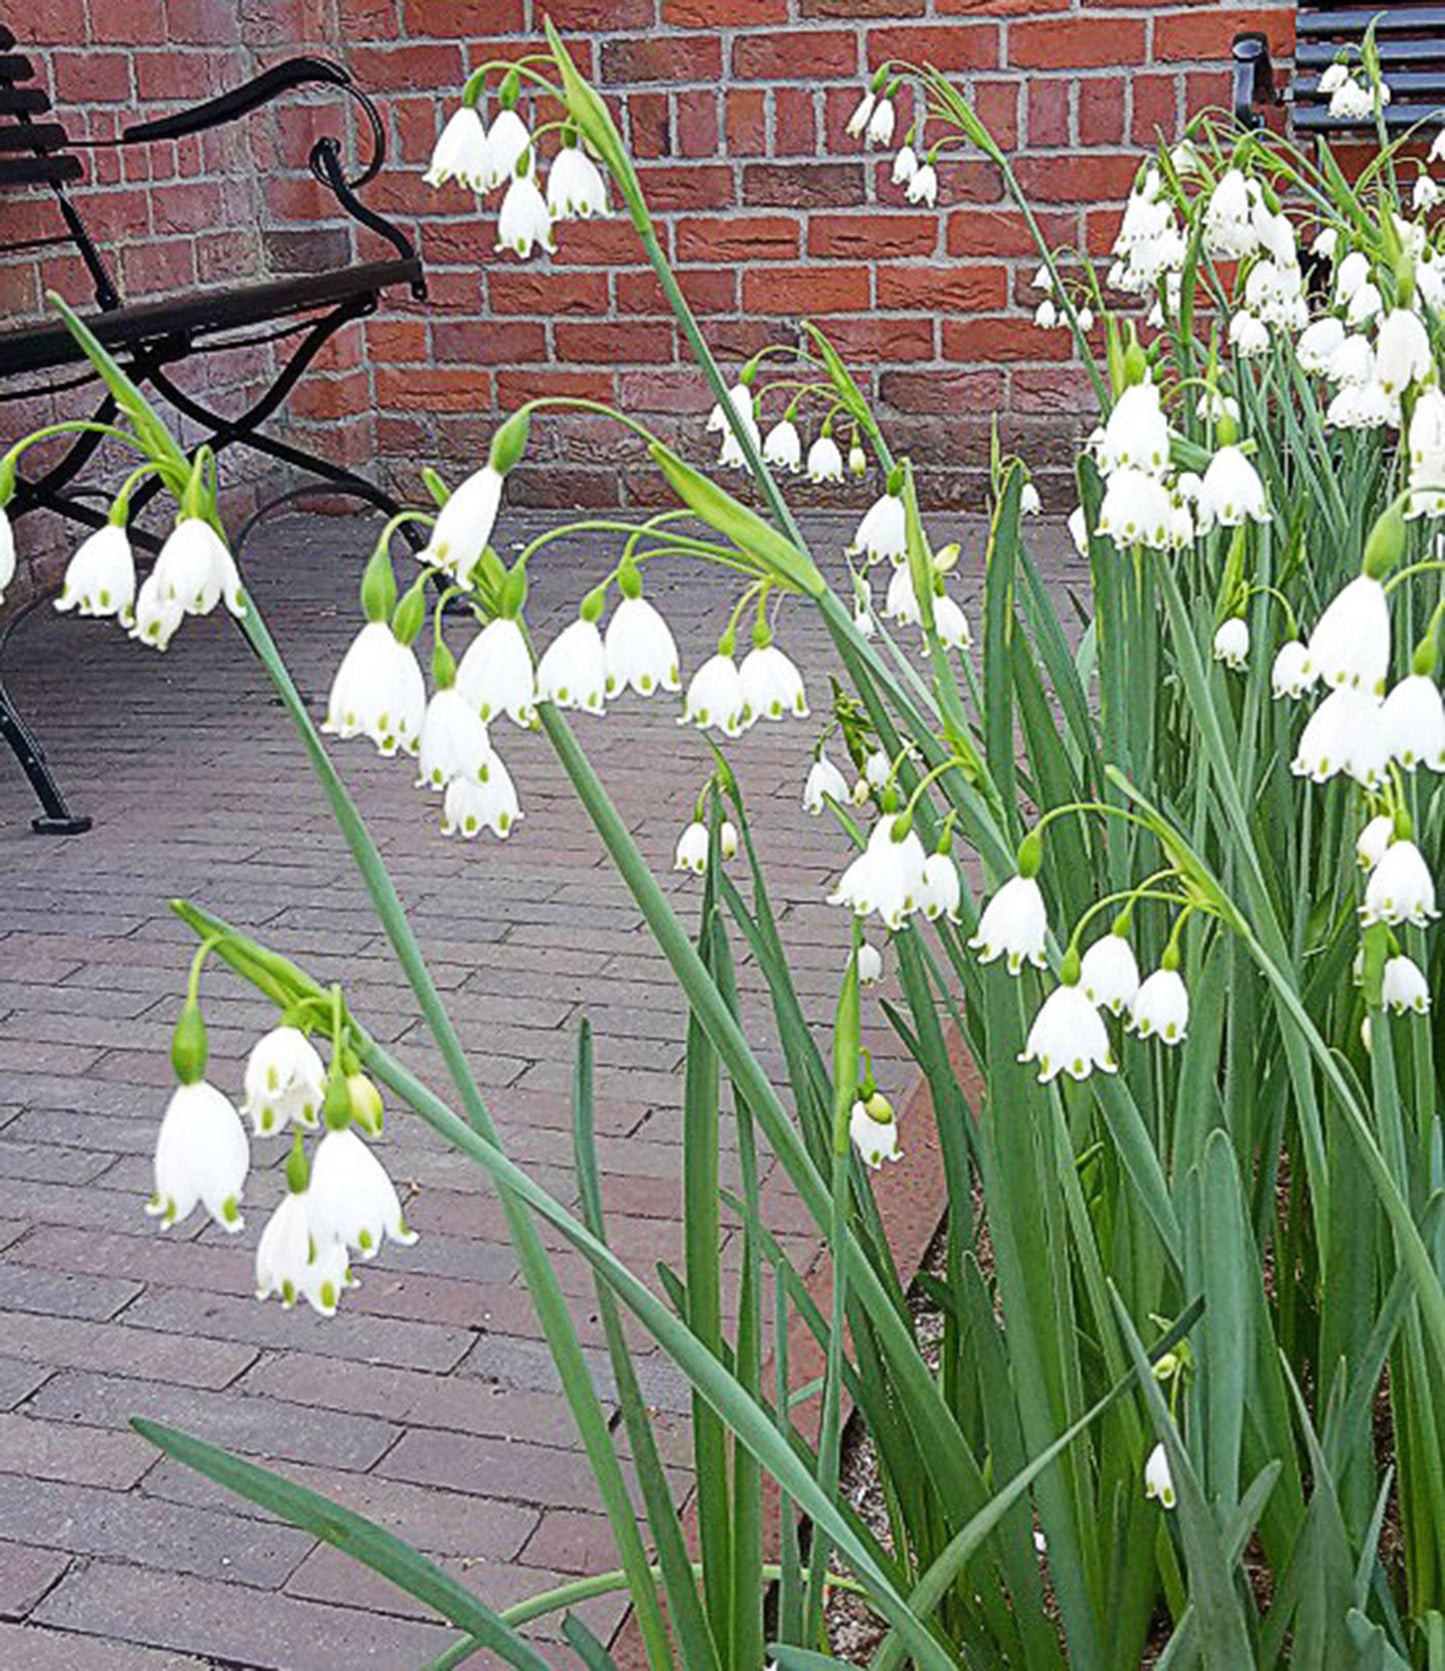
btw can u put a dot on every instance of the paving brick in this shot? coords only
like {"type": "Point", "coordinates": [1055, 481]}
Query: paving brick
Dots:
{"type": "Point", "coordinates": [59, 1294]}
{"type": "Point", "coordinates": [26, 1573]}
{"type": "Point", "coordinates": [64, 1342]}
{"type": "Point", "coordinates": [37, 1649]}
{"type": "Point", "coordinates": [75, 1455]}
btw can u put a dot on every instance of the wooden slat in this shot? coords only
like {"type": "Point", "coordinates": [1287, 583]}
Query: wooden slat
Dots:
{"type": "Point", "coordinates": [1415, 54]}
{"type": "Point", "coordinates": [39, 171]}
{"type": "Point", "coordinates": [33, 136]}
{"type": "Point", "coordinates": [32, 101]}
{"type": "Point", "coordinates": [1351, 22]}
{"type": "Point", "coordinates": [15, 66]}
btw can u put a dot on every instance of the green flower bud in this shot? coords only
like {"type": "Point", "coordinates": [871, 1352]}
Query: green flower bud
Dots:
{"type": "Point", "coordinates": [435, 486]}
{"type": "Point", "coordinates": [594, 605]}
{"type": "Point", "coordinates": [189, 1049]}
{"type": "Point", "coordinates": [366, 1104]}
{"type": "Point", "coordinates": [1030, 856]}
{"type": "Point", "coordinates": [510, 442]}
{"type": "Point", "coordinates": [1226, 431]}
{"type": "Point", "coordinates": [896, 478]}
{"type": "Point", "coordinates": [1386, 544]}
{"type": "Point", "coordinates": [629, 579]}
{"type": "Point", "coordinates": [878, 1108]}
{"type": "Point", "coordinates": [337, 1106]}
{"type": "Point", "coordinates": [298, 1168]}
{"type": "Point", "coordinates": [378, 585]}
{"type": "Point", "coordinates": [1071, 968]}
{"type": "Point", "coordinates": [410, 616]}
{"type": "Point", "coordinates": [443, 665]}
{"type": "Point", "coordinates": [514, 592]}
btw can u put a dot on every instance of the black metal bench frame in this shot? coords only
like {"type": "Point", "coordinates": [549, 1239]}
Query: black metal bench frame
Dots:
{"type": "Point", "coordinates": [153, 337]}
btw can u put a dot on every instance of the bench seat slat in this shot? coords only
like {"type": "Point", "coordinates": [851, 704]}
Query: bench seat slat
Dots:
{"type": "Point", "coordinates": [33, 136]}
{"type": "Point", "coordinates": [32, 348]}
{"type": "Point", "coordinates": [39, 171]}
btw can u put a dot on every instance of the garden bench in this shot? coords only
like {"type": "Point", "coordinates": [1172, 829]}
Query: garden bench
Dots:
{"type": "Point", "coordinates": [152, 336]}
{"type": "Point", "coordinates": [1411, 41]}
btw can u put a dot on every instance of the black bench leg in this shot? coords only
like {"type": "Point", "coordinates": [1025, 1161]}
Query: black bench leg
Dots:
{"type": "Point", "coordinates": [57, 818]}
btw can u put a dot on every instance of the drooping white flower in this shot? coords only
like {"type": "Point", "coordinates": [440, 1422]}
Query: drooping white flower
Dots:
{"type": "Point", "coordinates": [378, 692]}
{"type": "Point", "coordinates": [1079, 530]}
{"type": "Point", "coordinates": [877, 769]}
{"type": "Point", "coordinates": [1318, 343]}
{"type": "Point", "coordinates": [1427, 454]}
{"type": "Point", "coordinates": [1046, 314]}
{"type": "Point", "coordinates": [454, 741]}
{"type": "Point", "coordinates": [730, 454]}
{"type": "Point", "coordinates": [1290, 674]}
{"type": "Point", "coordinates": [1414, 720]}
{"type": "Point", "coordinates": [195, 568]}
{"type": "Point", "coordinates": [507, 142]}
{"type": "Point", "coordinates": [1068, 1036]}
{"type": "Point", "coordinates": [887, 877]}
{"type": "Point", "coordinates": [572, 671]}
{"type": "Point", "coordinates": [783, 447]}
{"type": "Point", "coordinates": [1232, 492]}
{"type": "Point", "coordinates": [1364, 305]}
{"type": "Point", "coordinates": [1248, 334]}
{"type": "Point", "coordinates": [1361, 406]}
{"type": "Point", "coordinates": [285, 1265]}
{"type": "Point", "coordinates": [1136, 435]}
{"type": "Point", "coordinates": [285, 1081]}
{"type": "Point", "coordinates": [863, 620]}
{"type": "Point", "coordinates": [857, 123]}
{"type": "Point", "coordinates": [692, 848]}
{"type": "Point", "coordinates": [202, 1155]}
{"type": "Point", "coordinates": [1405, 987]}
{"type": "Point", "coordinates": [351, 1199]}
{"type": "Point", "coordinates": [1343, 734]}
{"type": "Point", "coordinates": [495, 674]}
{"type": "Point", "coordinates": [1351, 273]}
{"type": "Point", "coordinates": [1400, 889]}
{"type": "Point", "coordinates": [740, 398]}
{"type": "Point", "coordinates": [464, 525]}
{"type": "Point", "coordinates": [641, 651]}
{"type": "Point", "coordinates": [575, 187]}
{"type": "Point", "coordinates": [1373, 840]}
{"type": "Point", "coordinates": [1109, 973]}
{"type": "Point", "coordinates": [525, 220]}
{"type": "Point", "coordinates": [870, 965]}
{"type": "Point", "coordinates": [824, 779]}
{"type": "Point", "coordinates": [1137, 510]}
{"type": "Point", "coordinates": [825, 461]}
{"type": "Point", "coordinates": [156, 616]}
{"type": "Point", "coordinates": [950, 623]}
{"type": "Point", "coordinates": [1228, 217]}
{"type": "Point", "coordinates": [100, 577]}
{"type": "Point", "coordinates": [923, 187]}
{"type": "Point", "coordinates": [1014, 925]}
{"type": "Point", "coordinates": [1160, 1008]}
{"type": "Point", "coordinates": [485, 802]}
{"type": "Point", "coordinates": [1029, 502]}
{"type": "Point", "coordinates": [1426, 194]}
{"type": "Point", "coordinates": [715, 697]}
{"type": "Point", "coordinates": [1437, 147]}
{"type": "Point", "coordinates": [941, 888]}
{"type": "Point", "coordinates": [1351, 100]}
{"type": "Point", "coordinates": [900, 602]}
{"type": "Point", "coordinates": [881, 123]}
{"type": "Point", "coordinates": [1158, 1481]}
{"type": "Point", "coordinates": [905, 165]}
{"type": "Point", "coordinates": [1231, 643]}
{"type": "Point", "coordinates": [727, 840]}
{"type": "Point", "coordinates": [1402, 351]}
{"type": "Point", "coordinates": [1353, 361]}
{"type": "Point", "coordinates": [7, 553]}
{"type": "Point", "coordinates": [772, 685]}
{"type": "Point", "coordinates": [882, 535]}
{"type": "Point", "coordinates": [1350, 645]}
{"type": "Point", "coordinates": [461, 152]}
{"type": "Point", "coordinates": [875, 1140]}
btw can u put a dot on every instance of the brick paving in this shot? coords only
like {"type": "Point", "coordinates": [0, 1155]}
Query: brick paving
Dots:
{"type": "Point", "coordinates": [430, 1401]}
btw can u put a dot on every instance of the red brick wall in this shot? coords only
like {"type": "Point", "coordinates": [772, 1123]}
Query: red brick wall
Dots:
{"type": "Point", "coordinates": [735, 109]}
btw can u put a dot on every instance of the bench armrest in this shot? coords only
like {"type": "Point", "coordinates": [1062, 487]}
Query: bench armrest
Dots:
{"type": "Point", "coordinates": [1254, 84]}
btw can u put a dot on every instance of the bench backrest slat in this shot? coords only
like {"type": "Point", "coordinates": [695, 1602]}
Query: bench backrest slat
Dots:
{"type": "Point", "coordinates": [1410, 37]}
{"type": "Point", "coordinates": [39, 171]}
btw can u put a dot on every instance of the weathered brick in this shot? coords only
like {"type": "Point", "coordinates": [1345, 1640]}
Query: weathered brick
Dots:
{"type": "Point", "coordinates": [788, 55]}
{"type": "Point", "coordinates": [1075, 43]}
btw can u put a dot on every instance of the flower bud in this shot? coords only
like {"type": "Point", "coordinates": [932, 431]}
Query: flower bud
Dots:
{"type": "Point", "coordinates": [337, 1106]}
{"type": "Point", "coordinates": [410, 616]}
{"type": "Point", "coordinates": [189, 1049]}
{"type": "Point", "coordinates": [1030, 856]}
{"type": "Point", "coordinates": [298, 1168]}
{"type": "Point", "coordinates": [365, 1103]}
{"type": "Point", "coordinates": [514, 592]}
{"type": "Point", "coordinates": [879, 1108]}
{"type": "Point", "coordinates": [1386, 544]}
{"type": "Point", "coordinates": [378, 585]}
{"type": "Point", "coordinates": [443, 666]}
{"type": "Point", "coordinates": [510, 442]}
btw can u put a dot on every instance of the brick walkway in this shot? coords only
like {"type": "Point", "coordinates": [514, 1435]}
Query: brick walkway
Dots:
{"type": "Point", "coordinates": [430, 1401]}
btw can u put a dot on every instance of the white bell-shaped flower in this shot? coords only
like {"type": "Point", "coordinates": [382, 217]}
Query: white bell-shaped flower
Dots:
{"type": "Point", "coordinates": [1079, 530]}
{"type": "Point", "coordinates": [100, 577]}
{"type": "Point", "coordinates": [507, 142]}
{"type": "Point", "coordinates": [1046, 314]}
{"type": "Point", "coordinates": [464, 525]}
{"type": "Point", "coordinates": [285, 1265]}
{"type": "Point", "coordinates": [887, 877]}
{"type": "Point", "coordinates": [941, 888]}
{"type": "Point", "coordinates": [923, 187]}
{"type": "Point", "coordinates": [1290, 674]}
{"type": "Point", "coordinates": [1014, 925]}
{"type": "Point", "coordinates": [1109, 973]}
{"type": "Point", "coordinates": [1365, 304]}
{"type": "Point", "coordinates": [772, 684]}
{"type": "Point", "coordinates": [525, 219]}
{"type": "Point", "coordinates": [378, 692]}
{"type": "Point", "coordinates": [950, 623]}
{"type": "Point", "coordinates": [1343, 734]}
{"type": "Point", "coordinates": [454, 741]}
{"type": "Point", "coordinates": [1030, 504]}
{"type": "Point", "coordinates": [351, 1199]}
{"type": "Point", "coordinates": [7, 553]}
{"type": "Point", "coordinates": [1160, 1008]}
{"type": "Point", "coordinates": [495, 675]}
{"type": "Point", "coordinates": [905, 165]}
{"type": "Point", "coordinates": [692, 848]}
{"type": "Point", "coordinates": [1405, 987]}
{"type": "Point", "coordinates": [1068, 1036]}
{"type": "Point", "coordinates": [900, 602]}
{"type": "Point", "coordinates": [196, 569]}
{"type": "Point", "coordinates": [1400, 889]}
{"type": "Point", "coordinates": [1137, 509]}
{"type": "Point", "coordinates": [870, 965]}
{"type": "Point", "coordinates": [824, 779]}
{"type": "Point", "coordinates": [575, 187]}
{"type": "Point", "coordinates": [740, 398]}
{"type": "Point", "coordinates": [1158, 1481]}
{"type": "Point", "coordinates": [1414, 721]}
{"type": "Point", "coordinates": [727, 840]}
{"type": "Point", "coordinates": [1427, 454]}
{"type": "Point", "coordinates": [156, 616]}
{"type": "Point", "coordinates": [875, 1139]}
{"type": "Point", "coordinates": [1402, 351]}
{"type": "Point", "coordinates": [1231, 643]}
{"type": "Point", "coordinates": [202, 1155]}
{"type": "Point", "coordinates": [882, 535]}
{"type": "Point", "coordinates": [1350, 646]}
{"type": "Point", "coordinates": [783, 447]}
{"type": "Point", "coordinates": [285, 1082]}
{"type": "Point", "coordinates": [1318, 343]}
{"type": "Point", "coordinates": [881, 123]}
{"type": "Point", "coordinates": [485, 802]}
{"type": "Point", "coordinates": [1136, 436]}
{"type": "Point", "coordinates": [461, 152]}
{"type": "Point", "coordinates": [641, 651]}
{"type": "Point", "coordinates": [1248, 334]}
{"type": "Point", "coordinates": [1353, 361]}
{"type": "Point", "coordinates": [1232, 491]}
{"type": "Point", "coordinates": [1372, 841]}
{"type": "Point", "coordinates": [715, 697]}
{"type": "Point", "coordinates": [877, 769]}
{"type": "Point", "coordinates": [857, 124]}
{"type": "Point", "coordinates": [825, 461]}
{"type": "Point", "coordinates": [573, 669]}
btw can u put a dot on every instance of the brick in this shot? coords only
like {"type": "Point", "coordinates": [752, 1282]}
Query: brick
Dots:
{"type": "Point", "coordinates": [975, 288]}
{"type": "Point", "coordinates": [806, 290]}
{"type": "Point", "coordinates": [707, 290]}
{"type": "Point", "coordinates": [792, 55]}
{"type": "Point", "coordinates": [432, 389]}
{"type": "Point", "coordinates": [862, 8]}
{"type": "Point", "coordinates": [1101, 113]}
{"type": "Point", "coordinates": [1075, 43]}
{"type": "Point", "coordinates": [991, 231]}
{"type": "Point", "coordinates": [26, 1574]}
{"type": "Point", "coordinates": [1182, 37]}
{"type": "Point", "coordinates": [80, 1456]}
{"type": "Point", "coordinates": [661, 58]}
{"type": "Point", "coordinates": [524, 290]}
{"type": "Point", "coordinates": [583, 15]}
{"type": "Point", "coordinates": [446, 19]}
{"type": "Point", "coordinates": [971, 341]}
{"type": "Point", "coordinates": [942, 391]}
{"type": "Point", "coordinates": [1156, 109]}
{"type": "Point", "coordinates": [53, 1650]}
{"type": "Point", "coordinates": [947, 47]}
{"type": "Point", "coordinates": [514, 388]}
{"type": "Point", "coordinates": [695, 120]}
{"type": "Point", "coordinates": [723, 14]}
{"type": "Point", "coordinates": [1088, 177]}
{"type": "Point", "coordinates": [873, 236]}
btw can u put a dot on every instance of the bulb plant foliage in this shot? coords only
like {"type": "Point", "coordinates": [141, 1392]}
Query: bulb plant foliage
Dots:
{"type": "Point", "coordinates": [1171, 875]}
